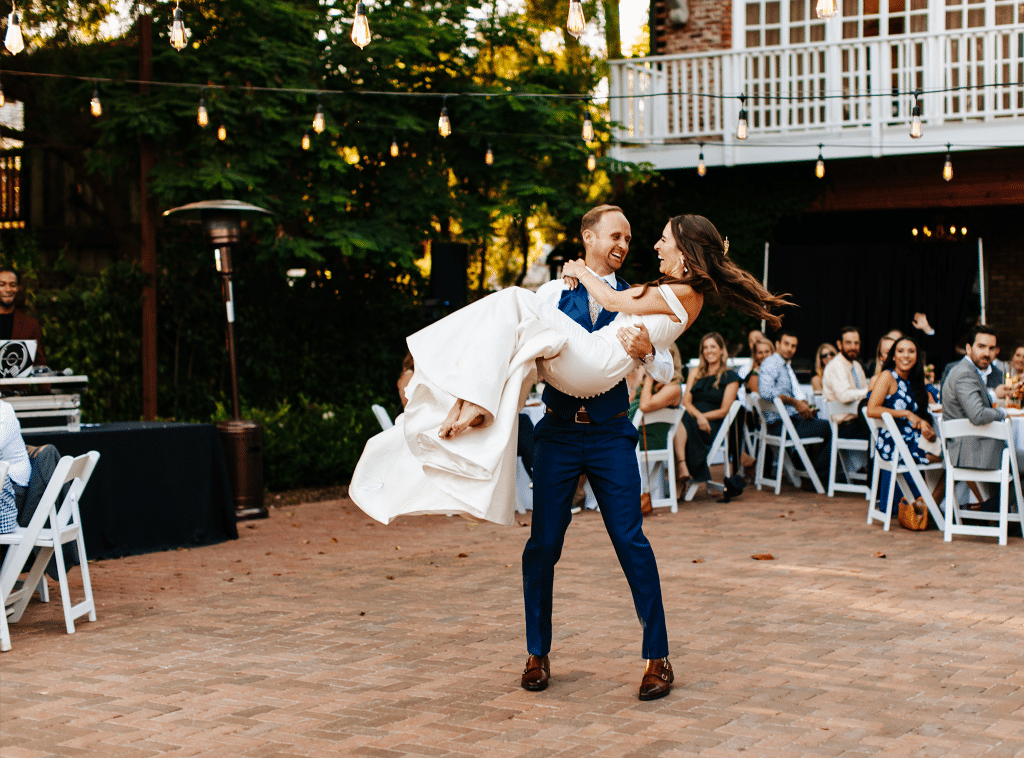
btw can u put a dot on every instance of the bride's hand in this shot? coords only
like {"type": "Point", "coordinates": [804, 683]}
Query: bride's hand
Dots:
{"type": "Point", "coordinates": [574, 268]}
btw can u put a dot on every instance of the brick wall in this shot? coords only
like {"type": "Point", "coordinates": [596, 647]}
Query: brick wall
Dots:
{"type": "Point", "coordinates": [709, 27]}
{"type": "Point", "coordinates": [1005, 282]}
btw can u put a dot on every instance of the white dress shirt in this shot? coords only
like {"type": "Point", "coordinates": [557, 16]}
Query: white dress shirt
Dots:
{"type": "Point", "coordinates": [839, 384]}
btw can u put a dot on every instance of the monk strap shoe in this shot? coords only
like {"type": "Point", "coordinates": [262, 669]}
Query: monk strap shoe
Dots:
{"type": "Point", "coordinates": [536, 674]}
{"type": "Point", "coordinates": [657, 681]}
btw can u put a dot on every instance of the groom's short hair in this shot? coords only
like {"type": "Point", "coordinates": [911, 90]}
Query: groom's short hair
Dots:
{"type": "Point", "coordinates": [593, 216]}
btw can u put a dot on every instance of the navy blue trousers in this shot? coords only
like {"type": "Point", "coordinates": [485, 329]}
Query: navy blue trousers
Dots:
{"type": "Point", "coordinates": [606, 454]}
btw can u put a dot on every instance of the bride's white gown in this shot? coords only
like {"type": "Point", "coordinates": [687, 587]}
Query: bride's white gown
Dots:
{"type": "Point", "coordinates": [488, 353]}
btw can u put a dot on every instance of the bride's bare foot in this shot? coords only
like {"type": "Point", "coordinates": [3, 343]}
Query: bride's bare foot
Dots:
{"type": "Point", "coordinates": [461, 417]}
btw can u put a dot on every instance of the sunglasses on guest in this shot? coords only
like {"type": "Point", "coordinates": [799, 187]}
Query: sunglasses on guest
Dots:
{"type": "Point", "coordinates": [825, 355]}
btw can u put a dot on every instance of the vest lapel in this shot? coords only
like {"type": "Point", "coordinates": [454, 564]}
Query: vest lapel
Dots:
{"type": "Point", "coordinates": [575, 305]}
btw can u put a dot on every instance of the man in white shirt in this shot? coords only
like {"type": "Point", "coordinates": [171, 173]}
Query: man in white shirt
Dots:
{"type": "Point", "coordinates": [844, 381]}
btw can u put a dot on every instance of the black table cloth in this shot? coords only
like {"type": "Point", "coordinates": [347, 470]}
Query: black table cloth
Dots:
{"type": "Point", "coordinates": [157, 486]}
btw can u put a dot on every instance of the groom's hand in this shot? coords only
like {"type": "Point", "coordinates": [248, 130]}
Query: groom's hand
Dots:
{"type": "Point", "coordinates": [636, 340]}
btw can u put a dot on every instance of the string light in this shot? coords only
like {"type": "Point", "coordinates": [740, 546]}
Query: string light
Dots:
{"type": "Point", "coordinates": [591, 162]}
{"type": "Point", "coordinates": [827, 8]}
{"type": "Point", "coordinates": [305, 141]}
{"type": "Point", "coordinates": [95, 107]}
{"type": "Point", "coordinates": [2, 98]}
{"type": "Point", "coordinates": [701, 168]}
{"type": "Point", "coordinates": [915, 117]}
{"type": "Point", "coordinates": [178, 32]}
{"type": "Point", "coordinates": [444, 126]}
{"type": "Point", "coordinates": [489, 157]}
{"type": "Point", "coordinates": [13, 41]}
{"type": "Point", "coordinates": [319, 123]}
{"type": "Point", "coordinates": [576, 24]}
{"type": "Point", "coordinates": [360, 28]}
{"type": "Point", "coordinates": [394, 148]}
{"type": "Point", "coordinates": [819, 168]}
{"type": "Point", "coordinates": [741, 127]}
{"type": "Point", "coordinates": [222, 133]}
{"type": "Point", "coordinates": [202, 117]}
{"type": "Point", "coordinates": [947, 170]}
{"type": "Point", "coordinates": [588, 128]}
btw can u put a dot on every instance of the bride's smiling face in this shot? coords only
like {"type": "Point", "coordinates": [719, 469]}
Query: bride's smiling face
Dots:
{"type": "Point", "coordinates": [669, 255]}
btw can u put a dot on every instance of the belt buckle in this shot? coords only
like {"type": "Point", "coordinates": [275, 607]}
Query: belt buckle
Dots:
{"type": "Point", "coordinates": [582, 411]}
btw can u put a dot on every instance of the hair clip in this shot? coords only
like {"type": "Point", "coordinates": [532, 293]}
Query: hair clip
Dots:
{"type": "Point", "coordinates": [725, 247]}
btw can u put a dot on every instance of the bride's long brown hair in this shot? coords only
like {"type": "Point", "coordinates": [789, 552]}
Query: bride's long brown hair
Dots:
{"type": "Point", "coordinates": [710, 270]}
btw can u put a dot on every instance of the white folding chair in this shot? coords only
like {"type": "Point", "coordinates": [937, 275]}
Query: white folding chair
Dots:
{"type": "Point", "coordinates": [64, 526]}
{"type": "Point", "coordinates": [382, 417]}
{"type": "Point", "coordinates": [840, 444]}
{"type": "Point", "coordinates": [1007, 472]}
{"type": "Point", "coordinates": [524, 488]}
{"type": "Point", "coordinates": [664, 457]}
{"type": "Point", "coordinates": [786, 439]}
{"type": "Point", "coordinates": [719, 447]}
{"type": "Point", "coordinates": [902, 465]}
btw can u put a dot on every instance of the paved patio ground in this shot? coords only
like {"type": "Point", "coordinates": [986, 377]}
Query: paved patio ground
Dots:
{"type": "Point", "coordinates": [322, 633]}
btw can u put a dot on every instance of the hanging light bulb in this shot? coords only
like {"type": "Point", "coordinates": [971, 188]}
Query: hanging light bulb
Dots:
{"type": "Point", "coordinates": [826, 8]}
{"type": "Point", "coordinates": [178, 36]}
{"type": "Point", "coordinates": [2, 98]}
{"type": "Point", "coordinates": [394, 148]}
{"type": "Point", "coordinates": [222, 133]}
{"type": "Point", "coordinates": [202, 117]}
{"type": "Point", "coordinates": [305, 141]}
{"type": "Point", "coordinates": [741, 127]}
{"type": "Point", "coordinates": [701, 168]}
{"type": "Point", "coordinates": [444, 126]}
{"type": "Point", "coordinates": [360, 28]}
{"type": "Point", "coordinates": [588, 128]}
{"type": "Point", "coordinates": [591, 162]}
{"type": "Point", "coordinates": [915, 117]}
{"type": "Point", "coordinates": [13, 41]}
{"type": "Point", "coordinates": [95, 108]}
{"type": "Point", "coordinates": [947, 170]}
{"type": "Point", "coordinates": [819, 167]}
{"type": "Point", "coordinates": [489, 157]}
{"type": "Point", "coordinates": [576, 24]}
{"type": "Point", "coordinates": [319, 123]}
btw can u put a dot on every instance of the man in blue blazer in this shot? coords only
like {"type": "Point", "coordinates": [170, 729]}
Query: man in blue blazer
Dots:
{"type": "Point", "coordinates": [593, 436]}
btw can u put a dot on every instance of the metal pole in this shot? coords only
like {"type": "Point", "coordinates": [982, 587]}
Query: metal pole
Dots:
{"type": "Point", "coordinates": [227, 291]}
{"type": "Point", "coordinates": [765, 280]}
{"type": "Point", "coordinates": [981, 279]}
{"type": "Point", "coordinates": [147, 257]}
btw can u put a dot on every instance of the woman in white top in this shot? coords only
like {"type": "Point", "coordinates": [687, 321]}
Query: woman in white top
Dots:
{"type": "Point", "coordinates": [19, 471]}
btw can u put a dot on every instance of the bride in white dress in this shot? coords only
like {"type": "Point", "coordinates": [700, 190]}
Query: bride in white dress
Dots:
{"type": "Point", "coordinates": [454, 448]}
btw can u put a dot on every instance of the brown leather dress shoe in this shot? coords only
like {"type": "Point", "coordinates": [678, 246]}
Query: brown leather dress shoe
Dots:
{"type": "Point", "coordinates": [657, 681]}
{"type": "Point", "coordinates": [536, 674]}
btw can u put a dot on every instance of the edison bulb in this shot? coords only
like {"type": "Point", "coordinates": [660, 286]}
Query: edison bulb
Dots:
{"type": "Point", "coordinates": [319, 123]}
{"type": "Point", "coordinates": [827, 8]}
{"type": "Point", "coordinates": [588, 129]}
{"type": "Point", "coordinates": [222, 133]}
{"type": "Point", "coordinates": [305, 141]}
{"type": "Point", "coordinates": [394, 148]}
{"type": "Point", "coordinates": [701, 167]}
{"type": "Point", "coordinates": [591, 162]}
{"type": "Point", "coordinates": [947, 170]}
{"type": "Point", "coordinates": [95, 108]}
{"type": "Point", "coordinates": [202, 117]}
{"type": "Point", "coordinates": [13, 41]}
{"type": "Point", "coordinates": [915, 122]}
{"type": "Point", "coordinates": [576, 24]}
{"type": "Point", "coordinates": [819, 167]}
{"type": "Point", "coordinates": [178, 35]}
{"type": "Point", "coordinates": [741, 127]}
{"type": "Point", "coordinates": [444, 126]}
{"type": "Point", "coordinates": [360, 28]}
{"type": "Point", "coordinates": [489, 157]}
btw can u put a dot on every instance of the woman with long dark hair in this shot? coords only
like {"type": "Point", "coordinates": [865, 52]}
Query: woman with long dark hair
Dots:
{"type": "Point", "coordinates": [477, 365]}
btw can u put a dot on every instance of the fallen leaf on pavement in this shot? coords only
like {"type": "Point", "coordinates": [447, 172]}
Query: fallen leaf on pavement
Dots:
{"type": "Point", "coordinates": [763, 557]}
{"type": "Point", "coordinates": [879, 554]}
{"type": "Point", "coordinates": [697, 560]}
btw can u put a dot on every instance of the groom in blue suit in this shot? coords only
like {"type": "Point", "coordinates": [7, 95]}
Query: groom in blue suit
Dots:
{"type": "Point", "coordinates": [594, 436]}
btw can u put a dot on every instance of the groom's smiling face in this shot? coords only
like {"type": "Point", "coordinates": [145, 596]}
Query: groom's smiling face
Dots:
{"type": "Point", "coordinates": [607, 244]}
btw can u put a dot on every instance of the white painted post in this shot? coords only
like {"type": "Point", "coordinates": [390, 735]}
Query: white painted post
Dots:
{"type": "Point", "coordinates": [981, 279]}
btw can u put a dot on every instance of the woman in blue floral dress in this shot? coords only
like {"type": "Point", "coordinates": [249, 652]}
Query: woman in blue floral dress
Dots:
{"type": "Point", "coordinates": [900, 391]}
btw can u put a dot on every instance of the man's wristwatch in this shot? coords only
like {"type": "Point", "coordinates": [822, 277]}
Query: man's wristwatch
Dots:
{"type": "Point", "coordinates": [648, 359]}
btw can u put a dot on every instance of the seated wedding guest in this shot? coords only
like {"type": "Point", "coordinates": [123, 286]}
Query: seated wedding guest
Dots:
{"type": "Point", "coordinates": [14, 323]}
{"type": "Point", "coordinates": [900, 391]}
{"type": "Point", "coordinates": [966, 396]}
{"type": "Point", "coordinates": [711, 388]}
{"type": "Point", "coordinates": [653, 396]}
{"type": "Point", "coordinates": [778, 380]}
{"type": "Point", "coordinates": [12, 450]}
{"type": "Point", "coordinates": [763, 349]}
{"type": "Point", "coordinates": [874, 369]}
{"type": "Point", "coordinates": [1016, 363]}
{"type": "Point", "coordinates": [753, 337]}
{"type": "Point", "coordinates": [844, 381]}
{"type": "Point", "coordinates": [992, 374]}
{"type": "Point", "coordinates": [824, 354]}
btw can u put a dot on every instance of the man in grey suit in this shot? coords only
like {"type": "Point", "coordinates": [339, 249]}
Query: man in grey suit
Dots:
{"type": "Point", "coordinates": [965, 396]}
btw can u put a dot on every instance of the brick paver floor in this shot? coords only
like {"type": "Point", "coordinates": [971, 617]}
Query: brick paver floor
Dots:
{"type": "Point", "coordinates": [322, 633]}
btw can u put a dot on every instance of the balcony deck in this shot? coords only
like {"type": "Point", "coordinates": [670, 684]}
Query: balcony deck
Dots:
{"type": "Point", "coordinates": [853, 96]}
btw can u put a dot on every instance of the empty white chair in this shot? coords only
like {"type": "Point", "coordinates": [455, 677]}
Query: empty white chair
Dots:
{"type": "Point", "coordinates": [840, 444]}
{"type": "Point", "coordinates": [1003, 476]}
{"type": "Point", "coordinates": [903, 466]}
{"type": "Point", "coordinates": [660, 457]}
{"type": "Point", "coordinates": [52, 526]}
{"type": "Point", "coordinates": [785, 440]}
{"type": "Point", "coordinates": [382, 417]}
{"type": "Point", "coordinates": [719, 448]}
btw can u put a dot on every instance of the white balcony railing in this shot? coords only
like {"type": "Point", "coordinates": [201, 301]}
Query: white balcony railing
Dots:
{"type": "Point", "coordinates": [820, 89]}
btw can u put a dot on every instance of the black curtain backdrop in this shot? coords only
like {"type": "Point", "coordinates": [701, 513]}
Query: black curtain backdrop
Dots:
{"type": "Point", "coordinates": [877, 288]}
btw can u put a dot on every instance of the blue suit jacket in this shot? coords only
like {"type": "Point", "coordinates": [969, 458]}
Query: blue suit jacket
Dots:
{"type": "Point", "coordinates": [576, 305]}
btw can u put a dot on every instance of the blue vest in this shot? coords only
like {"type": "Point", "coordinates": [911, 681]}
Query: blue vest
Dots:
{"type": "Point", "coordinates": [576, 304]}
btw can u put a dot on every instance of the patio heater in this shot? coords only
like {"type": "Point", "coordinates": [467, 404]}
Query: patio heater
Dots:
{"type": "Point", "coordinates": [242, 440]}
